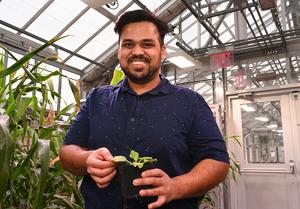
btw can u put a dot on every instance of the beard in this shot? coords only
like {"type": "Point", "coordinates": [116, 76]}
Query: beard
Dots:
{"type": "Point", "coordinates": [144, 78]}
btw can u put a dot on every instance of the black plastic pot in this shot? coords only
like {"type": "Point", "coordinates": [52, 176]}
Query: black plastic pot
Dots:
{"type": "Point", "coordinates": [130, 193]}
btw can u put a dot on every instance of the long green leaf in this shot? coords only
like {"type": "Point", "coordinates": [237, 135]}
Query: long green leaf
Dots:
{"type": "Point", "coordinates": [44, 156]}
{"type": "Point", "coordinates": [46, 132]}
{"type": "Point", "coordinates": [16, 66]}
{"type": "Point", "coordinates": [2, 80]}
{"type": "Point", "coordinates": [117, 77]}
{"type": "Point", "coordinates": [63, 111]}
{"type": "Point", "coordinates": [11, 106]}
{"type": "Point", "coordinates": [25, 163]}
{"type": "Point", "coordinates": [34, 104]}
{"type": "Point", "coordinates": [22, 105]}
{"type": "Point", "coordinates": [67, 203]}
{"type": "Point", "coordinates": [76, 93]}
{"type": "Point", "coordinates": [44, 78]}
{"type": "Point", "coordinates": [6, 150]}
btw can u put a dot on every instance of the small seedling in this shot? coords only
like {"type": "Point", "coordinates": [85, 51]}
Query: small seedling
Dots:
{"type": "Point", "coordinates": [137, 161]}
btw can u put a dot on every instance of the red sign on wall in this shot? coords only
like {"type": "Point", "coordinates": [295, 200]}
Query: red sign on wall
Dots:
{"type": "Point", "coordinates": [221, 60]}
{"type": "Point", "coordinates": [221, 57]}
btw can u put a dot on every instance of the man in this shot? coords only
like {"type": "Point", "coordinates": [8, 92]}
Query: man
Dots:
{"type": "Point", "coordinates": [151, 116]}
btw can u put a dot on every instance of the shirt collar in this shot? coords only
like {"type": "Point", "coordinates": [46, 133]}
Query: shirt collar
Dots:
{"type": "Point", "coordinates": [165, 87]}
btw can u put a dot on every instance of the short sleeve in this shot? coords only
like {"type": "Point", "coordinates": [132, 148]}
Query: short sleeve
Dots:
{"type": "Point", "coordinates": [78, 132]}
{"type": "Point", "coordinates": [205, 140]}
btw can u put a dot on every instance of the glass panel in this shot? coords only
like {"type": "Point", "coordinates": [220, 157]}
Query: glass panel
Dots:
{"type": "Point", "coordinates": [133, 7]}
{"type": "Point", "coordinates": [55, 18]}
{"type": "Point", "coordinates": [82, 29]}
{"type": "Point", "coordinates": [152, 5]}
{"type": "Point", "coordinates": [18, 12]}
{"type": "Point", "coordinates": [77, 62]}
{"type": "Point", "coordinates": [100, 43]}
{"type": "Point", "coordinates": [32, 39]}
{"type": "Point", "coordinates": [190, 34]}
{"type": "Point", "coordinates": [262, 132]}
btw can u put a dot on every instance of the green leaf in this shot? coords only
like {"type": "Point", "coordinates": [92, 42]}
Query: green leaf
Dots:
{"type": "Point", "coordinates": [6, 151]}
{"type": "Point", "coordinates": [44, 156]}
{"type": "Point", "coordinates": [119, 159]}
{"type": "Point", "coordinates": [140, 161]}
{"type": "Point", "coordinates": [76, 93]}
{"type": "Point", "coordinates": [11, 106]}
{"type": "Point", "coordinates": [16, 66]}
{"type": "Point", "coordinates": [2, 80]}
{"type": "Point", "coordinates": [22, 105]}
{"type": "Point", "coordinates": [117, 77]}
{"type": "Point", "coordinates": [134, 155]}
{"type": "Point", "coordinates": [67, 203]}
{"type": "Point", "coordinates": [46, 133]}
{"type": "Point", "coordinates": [34, 104]}
{"type": "Point", "coordinates": [44, 78]}
{"type": "Point", "coordinates": [136, 164]}
{"type": "Point", "coordinates": [25, 162]}
{"type": "Point", "coordinates": [63, 111]}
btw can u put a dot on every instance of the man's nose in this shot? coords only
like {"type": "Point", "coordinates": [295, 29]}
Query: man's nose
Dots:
{"type": "Point", "coordinates": [137, 50]}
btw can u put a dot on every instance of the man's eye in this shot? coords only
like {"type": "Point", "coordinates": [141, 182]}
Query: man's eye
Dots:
{"type": "Point", "coordinates": [148, 45]}
{"type": "Point", "coordinates": [127, 45]}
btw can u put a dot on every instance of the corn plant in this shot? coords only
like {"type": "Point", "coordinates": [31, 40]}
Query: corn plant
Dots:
{"type": "Point", "coordinates": [31, 132]}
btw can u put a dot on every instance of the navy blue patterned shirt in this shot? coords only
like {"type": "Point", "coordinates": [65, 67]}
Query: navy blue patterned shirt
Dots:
{"type": "Point", "coordinates": [170, 123]}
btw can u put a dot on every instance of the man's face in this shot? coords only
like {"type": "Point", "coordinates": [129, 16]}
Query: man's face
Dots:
{"type": "Point", "coordinates": [140, 53]}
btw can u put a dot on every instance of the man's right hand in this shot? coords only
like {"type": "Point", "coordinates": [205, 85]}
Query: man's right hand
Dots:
{"type": "Point", "coordinates": [100, 167]}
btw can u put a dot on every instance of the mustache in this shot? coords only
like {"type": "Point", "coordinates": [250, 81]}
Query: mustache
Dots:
{"type": "Point", "coordinates": [139, 57]}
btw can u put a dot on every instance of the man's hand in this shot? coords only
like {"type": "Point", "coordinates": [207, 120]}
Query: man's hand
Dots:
{"type": "Point", "coordinates": [204, 176]}
{"type": "Point", "coordinates": [163, 187]}
{"type": "Point", "coordinates": [100, 167]}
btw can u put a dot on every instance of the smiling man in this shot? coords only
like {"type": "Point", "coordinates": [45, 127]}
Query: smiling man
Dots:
{"type": "Point", "coordinates": [146, 113]}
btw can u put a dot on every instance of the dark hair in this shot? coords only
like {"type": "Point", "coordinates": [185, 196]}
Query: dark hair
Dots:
{"type": "Point", "coordinates": [140, 16]}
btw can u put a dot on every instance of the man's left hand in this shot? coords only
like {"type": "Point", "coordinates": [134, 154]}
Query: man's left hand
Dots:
{"type": "Point", "coordinates": [163, 187]}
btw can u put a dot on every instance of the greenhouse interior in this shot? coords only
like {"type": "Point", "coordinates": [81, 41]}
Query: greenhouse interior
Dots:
{"type": "Point", "coordinates": [241, 56]}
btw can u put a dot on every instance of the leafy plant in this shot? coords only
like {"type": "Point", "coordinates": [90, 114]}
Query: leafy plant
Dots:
{"type": "Point", "coordinates": [117, 77]}
{"type": "Point", "coordinates": [137, 161]}
{"type": "Point", "coordinates": [209, 200]}
{"type": "Point", "coordinates": [31, 133]}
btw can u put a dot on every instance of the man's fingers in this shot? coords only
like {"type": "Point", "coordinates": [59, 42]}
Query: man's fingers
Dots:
{"type": "Point", "coordinates": [153, 173]}
{"type": "Point", "coordinates": [100, 172]}
{"type": "Point", "coordinates": [103, 181]}
{"type": "Point", "coordinates": [156, 191]}
{"type": "Point", "coordinates": [154, 181]}
{"type": "Point", "coordinates": [99, 163]}
{"type": "Point", "coordinates": [158, 203]}
{"type": "Point", "coordinates": [104, 154]}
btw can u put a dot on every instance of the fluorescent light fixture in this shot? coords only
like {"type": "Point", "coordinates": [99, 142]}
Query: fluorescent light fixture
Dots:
{"type": "Point", "coordinates": [181, 61]}
{"type": "Point", "coordinates": [248, 108]}
{"type": "Point", "coordinates": [279, 131]}
{"type": "Point", "coordinates": [263, 119]}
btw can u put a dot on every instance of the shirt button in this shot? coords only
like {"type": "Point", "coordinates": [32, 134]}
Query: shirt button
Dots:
{"type": "Point", "coordinates": [132, 119]}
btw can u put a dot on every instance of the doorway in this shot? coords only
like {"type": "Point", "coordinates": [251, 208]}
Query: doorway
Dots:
{"type": "Point", "coordinates": [267, 122]}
